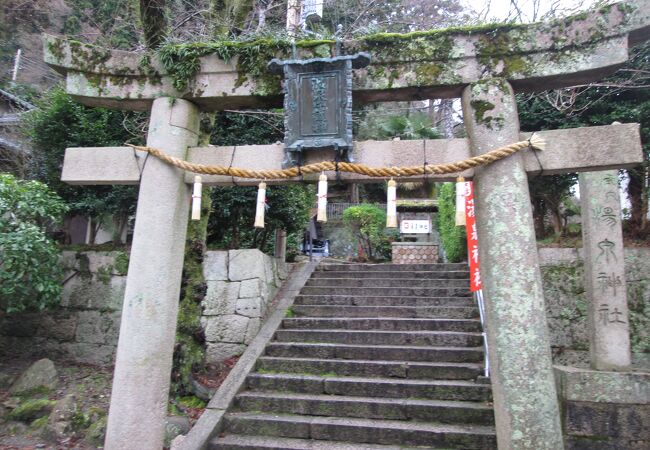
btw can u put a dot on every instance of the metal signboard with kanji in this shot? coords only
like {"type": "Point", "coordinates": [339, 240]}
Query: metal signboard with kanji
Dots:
{"type": "Point", "coordinates": [318, 104]}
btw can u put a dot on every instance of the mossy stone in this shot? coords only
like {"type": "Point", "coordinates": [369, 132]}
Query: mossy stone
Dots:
{"type": "Point", "coordinates": [29, 410]}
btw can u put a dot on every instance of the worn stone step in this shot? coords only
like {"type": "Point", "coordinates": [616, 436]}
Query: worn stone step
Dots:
{"type": "Point", "coordinates": [363, 300]}
{"type": "Point", "coordinates": [441, 411]}
{"type": "Point", "coordinates": [387, 281]}
{"type": "Point", "coordinates": [387, 432]}
{"type": "Point", "coordinates": [360, 337]}
{"type": "Point", "coordinates": [382, 324]}
{"type": "Point", "coordinates": [385, 311]}
{"type": "Point", "coordinates": [397, 388]}
{"type": "Point", "coordinates": [426, 274]}
{"type": "Point", "coordinates": [383, 352]}
{"type": "Point", "coordinates": [370, 368]}
{"type": "Point", "coordinates": [391, 267]}
{"type": "Point", "coordinates": [387, 291]}
{"type": "Point", "coordinates": [247, 442]}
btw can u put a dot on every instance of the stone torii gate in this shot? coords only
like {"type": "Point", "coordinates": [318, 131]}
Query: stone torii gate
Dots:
{"type": "Point", "coordinates": [484, 66]}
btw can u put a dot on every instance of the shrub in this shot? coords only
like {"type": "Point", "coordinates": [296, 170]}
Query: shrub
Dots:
{"type": "Point", "coordinates": [452, 238]}
{"type": "Point", "coordinates": [30, 273]}
{"type": "Point", "coordinates": [366, 223]}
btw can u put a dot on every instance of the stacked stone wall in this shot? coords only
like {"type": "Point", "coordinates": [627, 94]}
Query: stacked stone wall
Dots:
{"type": "Point", "coordinates": [566, 304]}
{"type": "Point", "coordinates": [86, 325]}
{"type": "Point", "coordinates": [241, 284]}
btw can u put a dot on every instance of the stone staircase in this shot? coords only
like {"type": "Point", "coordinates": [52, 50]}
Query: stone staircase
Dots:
{"type": "Point", "coordinates": [370, 357]}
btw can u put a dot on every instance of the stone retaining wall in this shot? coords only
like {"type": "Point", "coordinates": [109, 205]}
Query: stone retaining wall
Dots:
{"type": "Point", "coordinates": [604, 410]}
{"type": "Point", "coordinates": [241, 284]}
{"type": "Point", "coordinates": [566, 304]}
{"type": "Point", "coordinates": [86, 325]}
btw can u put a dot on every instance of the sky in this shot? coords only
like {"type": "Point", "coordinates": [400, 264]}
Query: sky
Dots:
{"type": "Point", "coordinates": [500, 9]}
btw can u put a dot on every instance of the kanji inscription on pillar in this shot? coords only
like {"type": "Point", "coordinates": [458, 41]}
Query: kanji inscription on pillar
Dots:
{"type": "Point", "coordinates": [609, 336]}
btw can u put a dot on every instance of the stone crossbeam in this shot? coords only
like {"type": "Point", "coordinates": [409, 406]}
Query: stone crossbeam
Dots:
{"type": "Point", "coordinates": [567, 150]}
{"type": "Point", "coordinates": [420, 65]}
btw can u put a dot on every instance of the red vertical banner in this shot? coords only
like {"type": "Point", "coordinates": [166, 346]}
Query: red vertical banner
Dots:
{"type": "Point", "coordinates": [472, 239]}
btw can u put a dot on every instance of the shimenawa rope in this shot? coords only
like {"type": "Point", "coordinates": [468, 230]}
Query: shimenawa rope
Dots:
{"type": "Point", "coordinates": [535, 142]}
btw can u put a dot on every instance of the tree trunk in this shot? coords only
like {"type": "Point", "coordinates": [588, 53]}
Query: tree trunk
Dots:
{"type": "Point", "coordinates": [636, 191]}
{"type": "Point", "coordinates": [556, 219]}
{"type": "Point", "coordinates": [539, 211]}
{"type": "Point", "coordinates": [154, 22]}
{"type": "Point", "coordinates": [447, 117]}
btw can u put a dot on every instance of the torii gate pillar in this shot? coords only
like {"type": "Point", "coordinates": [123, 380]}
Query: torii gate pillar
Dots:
{"type": "Point", "coordinates": [525, 402]}
{"type": "Point", "coordinates": [144, 352]}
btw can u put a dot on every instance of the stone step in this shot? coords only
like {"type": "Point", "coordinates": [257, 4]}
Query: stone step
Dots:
{"type": "Point", "coordinates": [385, 311]}
{"type": "Point", "coordinates": [426, 274]}
{"type": "Point", "coordinates": [359, 337]}
{"type": "Point", "coordinates": [383, 352]}
{"type": "Point", "coordinates": [441, 411]}
{"type": "Point", "coordinates": [351, 300]}
{"type": "Point", "coordinates": [246, 442]}
{"type": "Point", "coordinates": [370, 368]}
{"type": "Point", "coordinates": [387, 291]}
{"type": "Point", "coordinates": [386, 432]}
{"type": "Point", "coordinates": [391, 267]}
{"type": "Point", "coordinates": [397, 388]}
{"type": "Point", "coordinates": [389, 282]}
{"type": "Point", "coordinates": [382, 324]}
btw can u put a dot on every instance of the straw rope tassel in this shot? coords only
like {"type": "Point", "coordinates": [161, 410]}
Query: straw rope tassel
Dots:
{"type": "Point", "coordinates": [322, 198]}
{"type": "Point", "coordinates": [391, 205]}
{"type": "Point", "coordinates": [261, 205]}
{"type": "Point", "coordinates": [460, 201]}
{"type": "Point", "coordinates": [196, 198]}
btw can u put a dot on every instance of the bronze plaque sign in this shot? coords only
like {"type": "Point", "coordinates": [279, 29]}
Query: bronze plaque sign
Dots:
{"type": "Point", "coordinates": [318, 104]}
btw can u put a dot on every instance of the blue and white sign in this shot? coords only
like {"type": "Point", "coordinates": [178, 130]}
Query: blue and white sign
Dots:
{"type": "Point", "coordinates": [415, 227]}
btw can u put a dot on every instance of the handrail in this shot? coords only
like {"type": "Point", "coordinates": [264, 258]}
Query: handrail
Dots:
{"type": "Point", "coordinates": [481, 309]}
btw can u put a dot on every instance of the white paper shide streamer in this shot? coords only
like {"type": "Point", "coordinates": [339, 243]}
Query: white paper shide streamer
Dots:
{"type": "Point", "coordinates": [322, 198]}
{"type": "Point", "coordinates": [391, 205]}
{"type": "Point", "coordinates": [196, 198]}
{"type": "Point", "coordinates": [261, 205]}
{"type": "Point", "coordinates": [460, 201]}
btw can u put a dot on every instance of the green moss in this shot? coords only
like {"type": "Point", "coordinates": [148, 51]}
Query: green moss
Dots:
{"type": "Point", "coordinates": [462, 30]}
{"type": "Point", "coordinates": [189, 352]}
{"type": "Point", "coordinates": [104, 274]}
{"type": "Point", "coordinates": [481, 107]}
{"type": "Point", "coordinates": [289, 313]}
{"type": "Point", "coordinates": [191, 401]}
{"type": "Point", "coordinates": [97, 431]}
{"type": "Point", "coordinates": [32, 409]}
{"type": "Point", "coordinates": [121, 265]}
{"type": "Point", "coordinates": [39, 423]}
{"type": "Point", "coordinates": [182, 61]}
{"type": "Point", "coordinates": [81, 420]}
{"type": "Point", "coordinates": [37, 392]}
{"type": "Point", "coordinates": [57, 48]}
{"type": "Point", "coordinates": [88, 58]}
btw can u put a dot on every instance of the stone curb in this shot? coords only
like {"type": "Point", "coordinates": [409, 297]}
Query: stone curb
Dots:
{"type": "Point", "coordinates": [210, 422]}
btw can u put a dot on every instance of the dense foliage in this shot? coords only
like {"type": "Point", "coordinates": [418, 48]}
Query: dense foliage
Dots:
{"type": "Point", "coordinates": [231, 222]}
{"type": "Point", "coordinates": [30, 273]}
{"type": "Point", "coordinates": [452, 238]}
{"type": "Point", "coordinates": [367, 224]}
{"type": "Point", "coordinates": [60, 122]}
{"type": "Point", "coordinates": [233, 207]}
